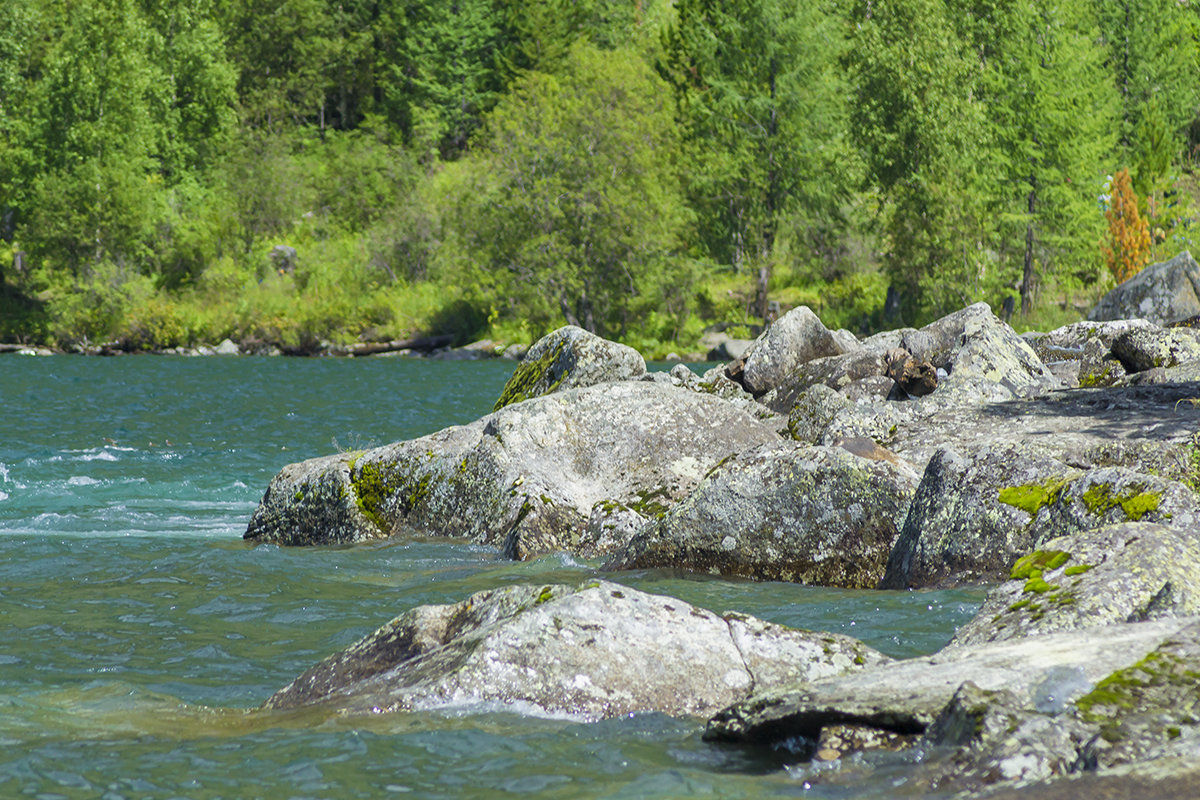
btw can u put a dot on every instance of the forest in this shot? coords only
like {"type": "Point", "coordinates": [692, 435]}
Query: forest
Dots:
{"type": "Point", "coordinates": [294, 172]}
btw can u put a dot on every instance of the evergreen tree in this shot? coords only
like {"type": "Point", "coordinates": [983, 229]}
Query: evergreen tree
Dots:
{"type": "Point", "coordinates": [924, 136]}
{"type": "Point", "coordinates": [1051, 110]}
{"type": "Point", "coordinates": [761, 105]}
{"type": "Point", "coordinates": [578, 218]}
{"type": "Point", "coordinates": [1152, 58]}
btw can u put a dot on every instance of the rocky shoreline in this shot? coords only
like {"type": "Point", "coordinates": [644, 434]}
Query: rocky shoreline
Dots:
{"type": "Point", "coordinates": [1059, 468]}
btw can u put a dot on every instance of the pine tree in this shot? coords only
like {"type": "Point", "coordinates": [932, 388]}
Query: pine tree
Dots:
{"type": "Point", "coordinates": [1128, 246]}
{"type": "Point", "coordinates": [763, 112]}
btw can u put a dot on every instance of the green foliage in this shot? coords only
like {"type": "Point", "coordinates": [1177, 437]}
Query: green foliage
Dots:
{"type": "Point", "coordinates": [643, 168]}
{"type": "Point", "coordinates": [761, 104]}
{"type": "Point", "coordinates": [575, 214]}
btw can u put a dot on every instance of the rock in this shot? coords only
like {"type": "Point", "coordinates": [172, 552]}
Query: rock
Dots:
{"type": "Point", "coordinates": [283, 258]}
{"type": "Point", "coordinates": [1121, 573]}
{"type": "Point", "coordinates": [796, 337]}
{"type": "Point", "coordinates": [723, 347]}
{"type": "Point", "coordinates": [570, 358]}
{"type": "Point", "coordinates": [1141, 349]}
{"type": "Point", "coordinates": [985, 359]}
{"type": "Point", "coordinates": [1143, 427]}
{"type": "Point", "coordinates": [958, 531]}
{"type": "Point", "coordinates": [977, 510]}
{"type": "Point", "coordinates": [906, 697]}
{"type": "Point", "coordinates": [1161, 293]}
{"type": "Point", "coordinates": [872, 389]}
{"type": "Point", "coordinates": [814, 411]}
{"type": "Point", "coordinates": [226, 348]}
{"type": "Point", "coordinates": [836, 372]}
{"type": "Point", "coordinates": [998, 738]}
{"type": "Point", "coordinates": [594, 651]}
{"type": "Point", "coordinates": [528, 478]}
{"type": "Point", "coordinates": [515, 352]}
{"type": "Point", "coordinates": [814, 515]}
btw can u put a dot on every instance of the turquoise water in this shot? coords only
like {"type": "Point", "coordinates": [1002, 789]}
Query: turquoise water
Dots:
{"type": "Point", "coordinates": [136, 627]}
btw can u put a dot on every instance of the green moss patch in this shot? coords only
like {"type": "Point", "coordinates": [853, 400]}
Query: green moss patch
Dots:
{"type": "Point", "coordinates": [1037, 562]}
{"type": "Point", "coordinates": [527, 376]}
{"type": "Point", "coordinates": [374, 485]}
{"type": "Point", "coordinates": [1032, 497]}
{"type": "Point", "coordinates": [1128, 689]}
{"type": "Point", "coordinates": [1135, 503]}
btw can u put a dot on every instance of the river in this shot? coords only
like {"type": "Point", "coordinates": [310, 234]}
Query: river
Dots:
{"type": "Point", "coordinates": [136, 627]}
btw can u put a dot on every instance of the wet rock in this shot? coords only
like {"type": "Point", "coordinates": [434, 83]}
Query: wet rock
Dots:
{"type": "Point", "coordinates": [570, 358]}
{"type": "Point", "coordinates": [1121, 573]}
{"type": "Point", "coordinates": [593, 651]}
{"type": "Point", "coordinates": [1161, 293]}
{"type": "Point", "coordinates": [1141, 349]}
{"type": "Point", "coordinates": [815, 515]}
{"type": "Point", "coordinates": [793, 339]}
{"type": "Point", "coordinates": [526, 478]}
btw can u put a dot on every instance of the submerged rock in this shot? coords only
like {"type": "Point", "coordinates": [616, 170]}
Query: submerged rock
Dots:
{"type": "Point", "coordinates": [593, 651]}
{"type": "Point", "coordinates": [545, 474]}
{"type": "Point", "coordinates": [570, 358]}
{"type": "Point", "coordinates": [1161, 293]}
{"type": "Point", "coordinates": [816, 515]}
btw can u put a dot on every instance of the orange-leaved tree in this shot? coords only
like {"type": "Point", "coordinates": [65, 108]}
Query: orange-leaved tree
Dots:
{"type": "Point", "coordinates": [1128, 246]}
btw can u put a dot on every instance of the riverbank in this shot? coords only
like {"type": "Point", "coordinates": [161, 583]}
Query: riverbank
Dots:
{"type": "Point", "coordinates": [1058, 470]}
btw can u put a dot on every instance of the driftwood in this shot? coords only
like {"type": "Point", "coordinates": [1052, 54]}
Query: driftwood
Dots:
{"type": "Point", "coordinates": [424, 343]}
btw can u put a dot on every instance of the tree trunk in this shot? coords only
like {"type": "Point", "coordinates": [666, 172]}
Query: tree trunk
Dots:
{"type": "Point", "coordinates": [1028, 277]}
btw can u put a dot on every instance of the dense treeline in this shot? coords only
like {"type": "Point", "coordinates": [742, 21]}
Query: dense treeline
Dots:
{"type": "Point", "coordinates": [180, 171]}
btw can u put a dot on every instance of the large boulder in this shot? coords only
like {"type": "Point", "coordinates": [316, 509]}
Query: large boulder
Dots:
{"type": "Point", "coordinates": [575, 470]}
{"type": "Point", "coordinates": [1140, 349]}
{"type": "Point", "coordinates": [1161, 293]}
{"type": "Point", "coordinates": [985, 360]}
{"type": "Point", "coordinates": [817, 515]}
{"type": "Point", "coordinates": [594, 651]}
{"type": "Point", "coordinates": [835, 372]}
{"type": "Point", "coordinates": [793, 339]}
{"type": "Point", "coordinates": [1122, 573]}
{"type": "Point", "coordinates": [570, 358]}
{"type": "Point", "coordinates": [959, 530]}
{"type": "Point", "coordinates": [978, 509]}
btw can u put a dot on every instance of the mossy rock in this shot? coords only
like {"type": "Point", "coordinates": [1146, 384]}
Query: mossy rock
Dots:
{"type": "Point", "coordinates": [568, 358]}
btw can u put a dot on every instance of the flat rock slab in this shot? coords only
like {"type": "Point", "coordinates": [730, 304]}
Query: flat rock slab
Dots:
{"type": "Point", "coordinates": [1084, 428]}
{"type": "Point", "coordinates": [906, 696]}
{"type": "Point", "coordinates": [594, 651]}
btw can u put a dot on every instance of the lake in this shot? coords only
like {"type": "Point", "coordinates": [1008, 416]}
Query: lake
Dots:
{"type": "Point", "coordinates": [136, 627]}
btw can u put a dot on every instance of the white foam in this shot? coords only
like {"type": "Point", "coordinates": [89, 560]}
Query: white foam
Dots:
{"type": "Point", "coordinates": [81, 480]}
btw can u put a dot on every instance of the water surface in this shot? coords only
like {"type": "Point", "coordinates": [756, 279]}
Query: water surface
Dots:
{"type": "Point", "coordinates": [136, 627]}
